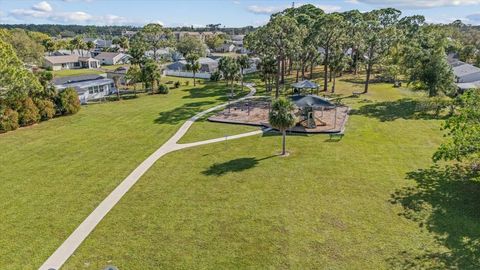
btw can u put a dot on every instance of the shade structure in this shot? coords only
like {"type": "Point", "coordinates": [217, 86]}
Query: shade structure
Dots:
{"type": "Point", "coordinates": [306, 84]}
{"type": "Point", "coordinates": [312, 101]}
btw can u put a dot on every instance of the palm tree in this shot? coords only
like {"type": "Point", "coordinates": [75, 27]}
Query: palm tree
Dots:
{"type": "Point", "coordinates": [193, 65]}
{"type": "Point", "coordinates": [151, 74]}
{"type": "Point", "coordinates": [243, 63]}
{"type": "Point", "coordinates": [282, 118]}
{"type": "Point", "coordinates": [133, 77]}
{"type": "Point", "coordinates": [116, 80]}
{"type": "Point", "coordinates": [230, 69]}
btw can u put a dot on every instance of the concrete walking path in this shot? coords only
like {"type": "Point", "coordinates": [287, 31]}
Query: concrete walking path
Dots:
{"type": "Point", "coordinates": [68, 247]}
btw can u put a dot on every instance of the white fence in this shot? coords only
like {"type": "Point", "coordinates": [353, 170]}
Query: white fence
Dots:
{"type": "Point", "coordinates": [201, 75]}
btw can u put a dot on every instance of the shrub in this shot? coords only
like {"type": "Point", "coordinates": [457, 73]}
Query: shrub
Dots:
{"type": "Point", "coordinates": [46, 109]}
{"type": "Point", "coordinates": [163, 89]}
{"type": "Point", "coordinates": [177, 84]}
{"type": "Point", "coordinates": [215, 77]}
{"type": "Point", "coordinates": [8, 120]}
{"type": "Point", "coordinates": [68, 102]}
{"type": "Point", "coordinates": [28, 113]}
{"type": "Point", "coordinates": [187, 83]}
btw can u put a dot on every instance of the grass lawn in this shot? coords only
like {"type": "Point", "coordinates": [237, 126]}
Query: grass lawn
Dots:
{"type": "Point", "coordinates": [368, 201]}
{"type": "Point", "coordinates": [55, 173]}
{"type": "Point", "coordinates": [113, 67]}
{"type": "Point", "coordinates": [76, 72]}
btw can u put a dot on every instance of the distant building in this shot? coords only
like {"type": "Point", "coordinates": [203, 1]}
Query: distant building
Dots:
{"type": "Point", "coordinates": [178, 68]}
{"type": "Point", "coordinates": [83, 53]}
{"type": "Point", "coordinates": [467, 76]}
{"type": "Point", "coordinates": [70, 62]}
{"type": "Point", "coordinates": [225, 48]}
{"type": "Point", "coordinates": [113, 58]}
{"type": "Point", "coordinates": [88, 87]}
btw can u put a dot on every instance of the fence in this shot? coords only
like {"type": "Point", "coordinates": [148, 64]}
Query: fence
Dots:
{"type": "Point", "coordinates": [201, 75]}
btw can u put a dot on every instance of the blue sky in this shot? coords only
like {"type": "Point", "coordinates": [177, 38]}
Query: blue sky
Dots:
{"type": "Point", "coordinates": [200, 13]}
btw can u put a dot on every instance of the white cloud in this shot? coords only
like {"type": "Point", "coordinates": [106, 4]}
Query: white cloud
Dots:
{"type": "Point", "coordinates": [44, 10]}
{"type": "Point", "coordinates": [474, 18]}
{"type": "Point", "coordinates": [236, 2]}
{"type": "Point", "coordinates": [420, 3]}
{"type": "Point", "coordinates": [43, 6]}
{"type": "Point", "coordinates": [267, 10]}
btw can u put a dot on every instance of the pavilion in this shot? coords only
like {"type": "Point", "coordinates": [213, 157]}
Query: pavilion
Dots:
{"type": "Point", "coordinates": [308, 105]}
{"type": "Point", "coordinates": [306, 84]}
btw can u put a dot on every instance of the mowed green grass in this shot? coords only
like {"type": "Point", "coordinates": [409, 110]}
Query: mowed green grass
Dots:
{"type": "Point", "coordinates": [55, 173]}
{"type": "Point", "coordinates": [76, 72]}
{"type": "Point", "coordinates": [329, 205]}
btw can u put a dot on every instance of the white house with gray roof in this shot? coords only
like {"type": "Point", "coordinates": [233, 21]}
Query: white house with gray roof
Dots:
{"type": "Point", "coordinates": [73, 61]}
{"type": "Point", "coordinates": [467, 76]}
{"type": "Point", "coordinates": [88, 87]}
{"type": "Point", "coordinates": [113, 58]}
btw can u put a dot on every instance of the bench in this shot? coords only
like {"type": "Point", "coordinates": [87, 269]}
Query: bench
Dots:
{"type": "Point", "coordinates": [338, 135]}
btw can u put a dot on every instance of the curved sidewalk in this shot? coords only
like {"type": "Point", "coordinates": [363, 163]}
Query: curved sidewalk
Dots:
{"type": "Point", "coordinates": [68, 247]}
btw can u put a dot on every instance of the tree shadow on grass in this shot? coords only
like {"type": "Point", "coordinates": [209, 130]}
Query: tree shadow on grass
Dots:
{"type": "Point", "coordinates": [235, 165]}
{"type": "Point", "coordinates": [445, 202]}
{"type": "Point", "coordinates": [399, 109]}
{"type": "Point", "coordinates": [182, 113]}
{"type": "Point", "coordinates": [208, 89]}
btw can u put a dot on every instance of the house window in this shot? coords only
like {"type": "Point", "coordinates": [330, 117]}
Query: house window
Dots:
{"type": "Point", "coordinates": [90, 90]}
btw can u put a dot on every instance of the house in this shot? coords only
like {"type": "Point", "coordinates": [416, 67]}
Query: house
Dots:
{"type": "Point", "coordinates": [226, 48]}
{"type": "Point", "coordinates": [178, 68]}
{"type": "Point", "coordinates": [467, 76]}
{"type": "Point", "coordinates": [70, 62]}
{"type": "Point", "coordinates": [113, 58]}
{"type": "Point", "coordinates": [88, 87]}
{"type": "Point", "coordinates": [82, 53]}
{"type": "Point", "coordinates": [163, 53]}
{"type": "Point", "coordinates": [101, 43]}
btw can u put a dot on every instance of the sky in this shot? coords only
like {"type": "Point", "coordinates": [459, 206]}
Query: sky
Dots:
{"type": "Point", "coordinates": [197, 13]}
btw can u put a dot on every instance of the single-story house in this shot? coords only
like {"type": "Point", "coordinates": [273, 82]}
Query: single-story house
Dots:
{"type": "Point", "coordinates": [70, 62]}
{"type": "Point", "coordinates": [467, 76]}
{"type": "Point", "coordinates": [82, 53]}
{"type": "Point", "coordinates": [208, 65]}
{"type": "Point", "coordinates": [88, 87]}
{"type": "Point", "coordinates": [113, 58]}
{"type": "Point", "coordinates": [162, 53]}
{"type": "Point", "coordinates": [225, 48]}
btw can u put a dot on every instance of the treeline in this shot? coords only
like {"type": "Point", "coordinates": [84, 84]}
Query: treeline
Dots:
{"type": "Point", "coordinates": [379, 42]}
{"type": "Point", "coordinates": [59, 30]}
{"type": "Point", "coordinates": [27, 98]}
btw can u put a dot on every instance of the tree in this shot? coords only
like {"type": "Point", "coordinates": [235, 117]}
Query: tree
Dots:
{"type": "Point", "coordinates": [463, 128]}
{"type": "Point", "coordinates": [78, 44]}
{"type": "Point", "coordinates": [116, 80]}
{"type": "Point", "coordinates": [229, 68]}
{"type": "Point", "coordinates": [467, 53]}
{"type": "Point", "coordinates": [190, 45]}
{"type": "Point", "coordinates": [280, 37]}
{"type": "Point", "coordinates": [243, 63]}
{"type": "Point", "coordinates": [156, 37]}
{"type": "Point", "coordinates": [90, 45]}
{"type": "Point", "coordinates": [27, 48]}
{"type": "Point", "coordinates": [193, 65]}
{"type": "Point", "coordinates": [330, 29]}
{"type": "Point", "coordinates": [282, 118]}
{"type": "Point", "coordinates": [215, 41]}
{"type": "Point", "coordinates": [16, 82]}
{"type": "Point", "coordinates": [133, 76]}
{"type": "Point", "coordinates": [433, 74]}
{"type": "Point", "coordinates": [8, 120]}
{"type": "Point", "coordinates": [68, 102]}
{"type": "Point", "coordinates": [28, 113]}
{"type": "Point", "coordinates": [151, 74]}
{"type": "Point", "coordinates": [379, 34]}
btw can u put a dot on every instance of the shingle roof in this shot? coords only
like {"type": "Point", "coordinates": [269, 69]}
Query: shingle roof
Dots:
{"type": "Point", "coordinates": [62, 59]}
{"type": "Point", "coordinates": [107, 55]}
{"type": "Point", "coordinates": [465, 69]}
{"type": "Point", "coordinates": [305, 84]}
{"type": "Point", "coordinates": [75, 79]}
